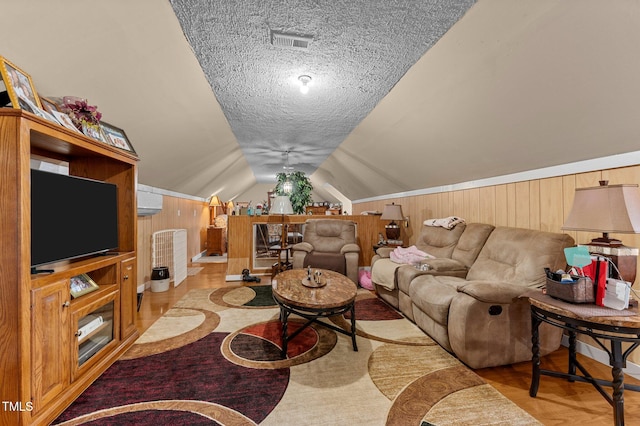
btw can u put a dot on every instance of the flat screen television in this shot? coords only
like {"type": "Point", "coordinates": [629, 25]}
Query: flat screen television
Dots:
{"type": "Point", "coordinates": [71, 217]}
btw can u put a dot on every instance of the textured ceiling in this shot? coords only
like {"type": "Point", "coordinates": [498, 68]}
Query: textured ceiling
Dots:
{"type": "Point", "coordinates": [464, 93]}
{"type": "Point", "coordinates": [359, 51]}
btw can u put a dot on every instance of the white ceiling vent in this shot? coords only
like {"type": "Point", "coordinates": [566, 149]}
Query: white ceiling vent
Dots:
{"type": "Point", "coordinates": [290, 40]}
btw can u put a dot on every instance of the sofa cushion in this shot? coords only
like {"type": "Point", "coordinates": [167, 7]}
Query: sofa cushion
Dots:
{"type": "Point", "coordinates": [471, 242]}
{"type": "Point", "coordinates": [329, 235]}
{"type": "Point", "coordinates": [331, 261]}
{"type": "Point", "coordinates": [432, 294]}
{"type": "Point", "coordinates": [519, 256]}
{"type": "Point", "coordinates": [439, 242]}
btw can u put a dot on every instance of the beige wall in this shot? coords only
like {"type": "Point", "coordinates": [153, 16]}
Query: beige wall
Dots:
{"type": "Point", "coordinates": [177, 213]}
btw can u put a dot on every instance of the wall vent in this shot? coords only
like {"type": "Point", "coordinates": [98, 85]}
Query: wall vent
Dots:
{"type": "Point", "coordinates": [290, 40]}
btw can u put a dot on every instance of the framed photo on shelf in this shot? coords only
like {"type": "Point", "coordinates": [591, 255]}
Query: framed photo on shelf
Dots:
{"type": "Point", "coordinates": [22, 92]}
{"type": "Point", "coordinates": [65, 120]}
{"type": "Point", "coordinates": [117, 137]}
{"type": "Point", "coordinates": [81, 285]}
{"type": "Point", "coordinates": [53, 108]}
{"type": "Point", "coordinates": [95, 131]}
{"type": "Point", "coordinates": [48, 105]}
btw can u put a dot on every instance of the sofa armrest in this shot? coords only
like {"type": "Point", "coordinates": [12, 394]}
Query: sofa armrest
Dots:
{"type": "Point", "coordinates": [303, 246]}
{"type": "Point", "coordinates": [350, 248]}
{"type": "Point", "coordinates": [493, 292]}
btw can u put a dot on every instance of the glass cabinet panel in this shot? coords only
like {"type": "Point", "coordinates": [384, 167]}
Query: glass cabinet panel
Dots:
{"type": "Point", "coordinates": [95, 331]}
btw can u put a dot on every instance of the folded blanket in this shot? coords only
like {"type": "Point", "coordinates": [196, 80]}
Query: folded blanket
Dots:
{"type": "Point", "coordinates": [383, 272]}
{"type": "Point", "coordinates": [409, 255]}
{"type": "Point", "coordinates": [447, 222]}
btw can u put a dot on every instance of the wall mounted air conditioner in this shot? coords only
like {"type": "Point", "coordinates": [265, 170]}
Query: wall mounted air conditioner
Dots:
{"type": "Point", "coordinates": [149, 203]}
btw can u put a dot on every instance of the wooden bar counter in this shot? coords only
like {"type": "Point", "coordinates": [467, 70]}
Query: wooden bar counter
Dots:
{"type": "Point", "coordinates": [240, 237]}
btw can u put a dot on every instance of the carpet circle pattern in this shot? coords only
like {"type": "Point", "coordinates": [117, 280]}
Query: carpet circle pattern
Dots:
{"type": "Point", "coordinates": [260, 345]}
{"type": "Point", "coordinates": [215, 358]}
{"type": "Point", "coordinates": [250, 297]}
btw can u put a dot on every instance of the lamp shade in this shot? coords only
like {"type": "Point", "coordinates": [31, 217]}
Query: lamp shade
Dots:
{"type": "Point", "coordinates": [392, 212]}
{"type": "Point", "coordinates": [281, 205]}
{"type": "Point", "coordinates": [215, 201]}
{"type": "Point", "coordinates": [608, 208]}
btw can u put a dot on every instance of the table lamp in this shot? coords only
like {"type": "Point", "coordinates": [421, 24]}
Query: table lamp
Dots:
{"type": "Point", "coordinates": [214, 203]}
{"type": "Point", "coordinates": [392, 212]}
{"type": "Point", "coordinates": [608, 209]}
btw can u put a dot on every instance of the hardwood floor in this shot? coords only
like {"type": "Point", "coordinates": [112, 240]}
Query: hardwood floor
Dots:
{"type": "Point", "coordinates": [558, 402]}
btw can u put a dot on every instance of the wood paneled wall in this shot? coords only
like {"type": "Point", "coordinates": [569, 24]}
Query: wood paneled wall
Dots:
{"type": "Point", "coordinates": [177, 213]}
{"type": "Point", "coordinates": [541, 204]}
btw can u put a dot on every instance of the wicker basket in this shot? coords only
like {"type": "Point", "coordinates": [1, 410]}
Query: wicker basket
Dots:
{"type": "Point", "coordinates": [579, 291]}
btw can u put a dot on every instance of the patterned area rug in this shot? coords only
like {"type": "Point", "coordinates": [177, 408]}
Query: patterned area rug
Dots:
{"type": "Point", "coordinates": [214, 359]}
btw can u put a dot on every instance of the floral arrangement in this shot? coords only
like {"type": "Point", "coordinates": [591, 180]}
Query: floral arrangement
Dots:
{"type": "Point", "coordinates": [81, 112]}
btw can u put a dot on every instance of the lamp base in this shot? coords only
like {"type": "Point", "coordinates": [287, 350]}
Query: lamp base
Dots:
{"type": "Point", "coordinates": [392, 231]}
{"type": "Point", "coordinates": [605, 242]}
{"type": "Point", "coordinates": [625, 258]}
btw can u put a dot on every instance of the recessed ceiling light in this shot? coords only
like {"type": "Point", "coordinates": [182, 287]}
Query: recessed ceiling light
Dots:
{"type": "Point", "coordinates": [305, 80]}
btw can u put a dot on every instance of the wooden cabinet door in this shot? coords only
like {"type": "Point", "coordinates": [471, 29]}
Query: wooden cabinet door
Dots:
{"type": "Point", "coordinates": [90, 347]}
{"type": "Point", "coordinates": [50, 349]}
{"type": "Point", "coordinates": [128, 297]}
{"type": "Point", "coordinates": [216, 243]}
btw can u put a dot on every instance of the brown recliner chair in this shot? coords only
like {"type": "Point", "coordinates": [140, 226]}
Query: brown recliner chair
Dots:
{"type": "Point", "coordinates": [328, 244]}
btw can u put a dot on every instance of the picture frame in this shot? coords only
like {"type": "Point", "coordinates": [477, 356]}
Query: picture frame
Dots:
{"type": "Point", "coordinates": [82, 284]}
{"type": "Point", "coordinates": [19, 86]}
{"type": "Point", "coordinates": [96, 132]}
{"type": "Point", "coordinates": [117, 137]}
{"type": "Point", "coordinates": [48, 105]}
{"type": "Point", "coordinates": [65, 121]}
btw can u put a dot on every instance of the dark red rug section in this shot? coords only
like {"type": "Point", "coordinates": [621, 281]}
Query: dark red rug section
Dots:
{"type": "Point", "coordinates": [263, 342]}
{"type": "Point", "coordinates": [374, 309]}
{"type": "Point", "coordinates": [197, 371]}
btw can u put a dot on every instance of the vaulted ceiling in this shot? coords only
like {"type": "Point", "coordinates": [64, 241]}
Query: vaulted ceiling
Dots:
{"type": "Point", "coordinates": [403, 95]}
{"type": "Point", "coordinates": [354, 52]}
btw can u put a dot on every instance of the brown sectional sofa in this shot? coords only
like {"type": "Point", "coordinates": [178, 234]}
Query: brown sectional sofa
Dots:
{"type": "Point", "coordinates": [470, 299]}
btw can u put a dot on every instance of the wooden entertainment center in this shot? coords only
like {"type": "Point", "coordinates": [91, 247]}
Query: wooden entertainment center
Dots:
{"type": "Point", "coordinates": [48, 355]}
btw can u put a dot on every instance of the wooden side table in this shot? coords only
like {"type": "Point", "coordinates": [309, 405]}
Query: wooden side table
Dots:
{"type": "Point", "coordinates": [216, 241]}
{"type": "Point", "coordinates": [615, 330]}
{"type": "Point", "coordinates": [377, 246]}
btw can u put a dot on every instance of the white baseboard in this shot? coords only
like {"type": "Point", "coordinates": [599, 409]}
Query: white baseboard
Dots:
{"type": "Point", "coordinates": [602, 357]}
{"type": "Point", "coordinates": [233, 278]}
{"type": "Point", "coordinates": [198, 256]}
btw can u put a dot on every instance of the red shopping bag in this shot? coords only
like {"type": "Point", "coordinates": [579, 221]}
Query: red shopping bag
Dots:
{"type": "Point", "coordinates": [598, 267]}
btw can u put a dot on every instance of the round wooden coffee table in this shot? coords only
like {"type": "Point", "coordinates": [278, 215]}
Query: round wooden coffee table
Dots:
{"type": "Point", "coordinates": [336, 297]}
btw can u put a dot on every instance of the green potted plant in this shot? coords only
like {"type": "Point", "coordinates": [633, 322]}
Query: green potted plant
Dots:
{"type": "Point", "coordinates": [300, 194]}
